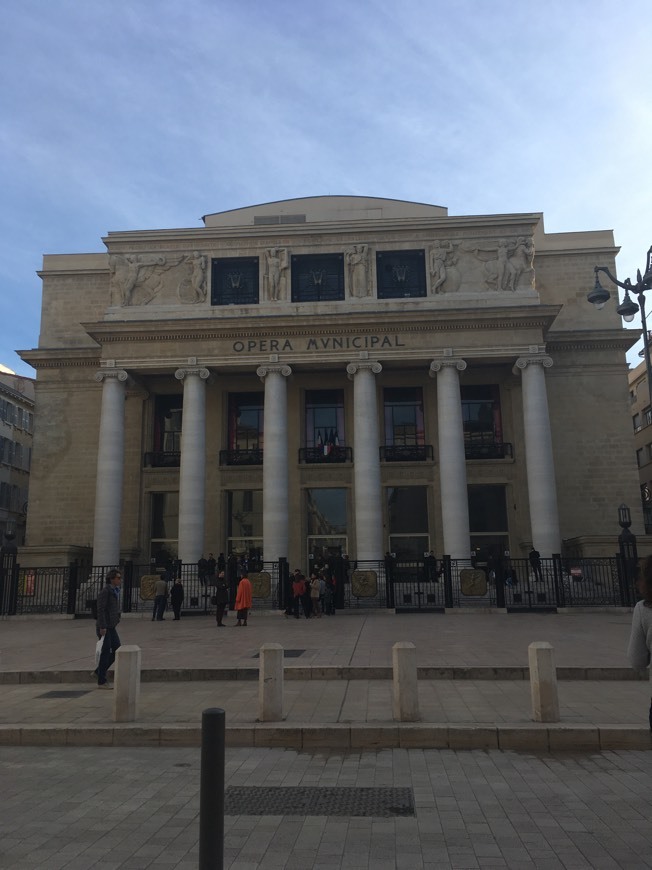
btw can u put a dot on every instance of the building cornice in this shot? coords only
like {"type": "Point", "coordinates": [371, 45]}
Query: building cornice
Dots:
{"type": "Point", "coordinates": [61, 357]}
{"type": "Point", "coordinates": [458, 319]}
{"type": "Point", "coordinates": [593, 339]}
{"type": "Point", "coordinates": [440, 225]}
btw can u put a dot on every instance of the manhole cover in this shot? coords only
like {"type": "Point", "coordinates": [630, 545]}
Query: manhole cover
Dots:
{"type": "Point", "coordinates": [64, 693]}
{"type": "Point", "coordinates": [287, 653]}
{"type": "Point", "coordinates": [315, 801]}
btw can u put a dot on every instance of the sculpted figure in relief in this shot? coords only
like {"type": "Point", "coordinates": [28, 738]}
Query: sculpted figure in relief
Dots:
{"type": "Point", "coordinates": [193, 288]}
{"type": "Point", "coordinates": [144, 271]}
{"type": "Point", "coordinates": [522, 261]}
{"type": "Point", "coordinates": [442, 260]}
{"type": "Point", "coordinates": [276, 264]}
{"type": "Point", "coordinates": [357, 263]}
{"type": "Point", "coordinates": [510, 263]}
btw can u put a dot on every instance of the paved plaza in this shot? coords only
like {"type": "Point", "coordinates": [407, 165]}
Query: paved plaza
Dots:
{"type": "Point", "coordinates": [106, 806]}
{"type": "Point", "coordinates": [131, 809]}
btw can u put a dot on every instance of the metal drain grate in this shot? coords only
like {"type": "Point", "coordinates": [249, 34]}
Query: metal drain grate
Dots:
{"type": "Point", "coordinates": [315, 801]}
{"type": "Point", "coordinates": [64, 693]}
{"type": "Point", "coordinates": [287, 654]}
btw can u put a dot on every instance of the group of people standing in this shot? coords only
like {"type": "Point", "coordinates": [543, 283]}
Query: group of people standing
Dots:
{"type": "Point", "coordinates": [313, 596]}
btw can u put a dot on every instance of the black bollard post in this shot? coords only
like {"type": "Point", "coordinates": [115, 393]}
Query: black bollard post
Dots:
{"type": "Point", "coordinates": [211, 791]}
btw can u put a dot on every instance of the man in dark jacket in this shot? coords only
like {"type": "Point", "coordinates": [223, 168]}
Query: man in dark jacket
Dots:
{"type": "Point", "coordinates": [108, 616]}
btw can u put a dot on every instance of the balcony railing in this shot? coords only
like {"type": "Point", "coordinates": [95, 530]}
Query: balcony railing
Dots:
{"type": "Point", "coordinates": [488, 450]}
{"type": "Point", "coordinates": [406, 453]}
{"type": "Point", "coordinates": [163, 459]}
{"type": "Point", "coordinates": [241, 457]}
{"type": "Point", "coordinates": [325, 454]}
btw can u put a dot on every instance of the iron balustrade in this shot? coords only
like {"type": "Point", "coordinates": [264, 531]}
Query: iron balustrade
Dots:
{"type": "Point", "coordinates": [406, 453]}
{"type": "Point", "coordinates": [422, 585]}
{"type": "Point", "coordinates": [488, 450]}
{"type": "Point", "coordinates": [163, 459]}
{"type": "Point", "coordinates": [333, 453]}
{"type": "Point", "coordinates": [241, 457]}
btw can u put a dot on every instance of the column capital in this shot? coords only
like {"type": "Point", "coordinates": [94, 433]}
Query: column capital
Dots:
{"type": "Point", "coordinates": [199, 371]}
{"type": "Point", "coordinates": [263, 371]}
{"type": "Point", "coordinates": [524, 361]}
{"type": "Point", "coordinates": [363, 365]}
{"type": "Point", "coordinates": [109, 373]}
{"type": "Point", "coordinates": [448, 362]}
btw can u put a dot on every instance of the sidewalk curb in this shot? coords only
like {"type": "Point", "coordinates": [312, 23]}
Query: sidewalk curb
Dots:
{"type": "Point", "coordinates": [327, 672]}
{"type": "Point", "coordinates": [534, 737]}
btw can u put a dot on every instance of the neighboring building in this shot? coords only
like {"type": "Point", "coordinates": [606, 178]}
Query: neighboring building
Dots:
{"type": "Point", "coordinates": [331, 374]}
{"type": "Point", "coordinates": [16, 424]}
{"type": "Point", "coordinates": [639, 397]}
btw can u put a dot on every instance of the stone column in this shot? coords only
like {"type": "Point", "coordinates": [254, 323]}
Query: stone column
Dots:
{"type": "Point", "coordinates": [452, 461]}
{"type": "Point", "coordinates": [192, 473]}
{"type": "Point", "coordinates": [542, 489]}
{"type": "Point", "coordinates": [275, 462]}
{"type": "Point", "coordinates": [366, 456]}
{"type": "Point", "coordinates": [110, 468]}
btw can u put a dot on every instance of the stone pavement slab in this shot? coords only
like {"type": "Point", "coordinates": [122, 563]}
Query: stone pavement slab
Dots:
{"type": "Point", "coordinates": [583, 640]}
{"type": "Point", "coordinates": [132, 809]}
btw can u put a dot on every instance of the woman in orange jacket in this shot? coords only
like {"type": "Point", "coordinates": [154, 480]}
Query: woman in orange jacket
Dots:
{"type": "Point", "coordinates": [243, 601]}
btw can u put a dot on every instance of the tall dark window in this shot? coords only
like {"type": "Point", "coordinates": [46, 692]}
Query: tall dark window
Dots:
{"type": "Point", "coordinates": [488, 520]}
{"type": "Point", "coordinates": [403, 416]}
{"type": "Point", "coordinates": [317, 277]}
{"type": "Point", "coordinates": [400, 274]}
{"type": "Point", "coordinates": [168, 415]}
{"type": "Point", "coordinates": [325, 418]}
{"type": "Point", "coordinates": [234, 281]}
{"type": "Point", "coordinates": [407, 515]}
{"type": "Point", "coordinates": [164, 536]}
{"type": "Point", "coordinates": [481, 416]}
{"type": "Point", "coordinates": [246, 421]}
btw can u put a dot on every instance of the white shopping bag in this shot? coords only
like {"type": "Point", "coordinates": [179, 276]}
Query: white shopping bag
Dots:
{"type": "Point", "coordinates": [98, 651]}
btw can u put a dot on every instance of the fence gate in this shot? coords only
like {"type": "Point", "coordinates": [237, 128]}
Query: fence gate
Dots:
{"type": "Point", "coordinates": [415, 587]}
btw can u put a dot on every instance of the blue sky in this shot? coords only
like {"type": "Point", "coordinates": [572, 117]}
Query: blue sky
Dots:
{"type": "Point", "coordinates": [140, 114]}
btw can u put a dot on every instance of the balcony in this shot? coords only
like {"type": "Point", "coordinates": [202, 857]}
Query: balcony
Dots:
{"type": "Point", "coordinates": [241, 457]}
{"type": "Point", "coordinates": [406, 453]}
{"type": "Point", "coordinates": [488, 450]}
{"type": "Point", "coordinates": [328, 455]}
{"type": "Point", "coordinates": [163, 459]}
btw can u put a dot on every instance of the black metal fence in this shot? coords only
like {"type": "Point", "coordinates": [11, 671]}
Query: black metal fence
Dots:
{"type": "Point", "coordinates": [429, 585]}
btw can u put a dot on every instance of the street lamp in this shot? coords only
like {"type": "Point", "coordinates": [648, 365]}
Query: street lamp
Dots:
{"type": "Point", "coordinates": [627, 309]}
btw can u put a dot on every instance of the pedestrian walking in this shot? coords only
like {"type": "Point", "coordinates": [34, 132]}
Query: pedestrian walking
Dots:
{"type": "Point", "coordinates": [108, 617]}
{"type": "Point", "coordinates": [640, 638]}
{"type": "Point", "coordinates": [314, 595]}
{"type": "Point", "coordinates": [220, 598]}
{"type": "Point", "coordinates": [176, 598]}
{"type": "Point", "coordinates": [160, 599]}
{"type": "Point", "coordinates": [243, 601]}
{"type": "Point", "coordinates": [298, 591]}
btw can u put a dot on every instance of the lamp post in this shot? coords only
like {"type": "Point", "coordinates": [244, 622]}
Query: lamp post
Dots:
{"type": "Point", "coordinates": [628, 556]}
{"type": "Point", "coordinates": [627, 309]}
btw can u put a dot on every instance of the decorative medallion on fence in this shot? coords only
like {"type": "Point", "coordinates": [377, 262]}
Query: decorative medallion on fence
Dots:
{"type": "Point", "coordinates": [261, 584]}
{"type": "Point", "coordinates": [473, 581]}
{"type": "Point", "coordinates": [147, 582]}
{"type": "Point", "coordinates": [364, 584]}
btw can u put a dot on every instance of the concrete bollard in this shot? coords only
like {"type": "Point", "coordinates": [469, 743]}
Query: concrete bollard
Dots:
{"type": "Point", "coordinates": [126, 695]}
{"type": "Point", "coordinates": [405, 683]}
{"type": "Point", "coordinates": [543, 682]}
{"type": "Point", "coordinates": [270, 683]}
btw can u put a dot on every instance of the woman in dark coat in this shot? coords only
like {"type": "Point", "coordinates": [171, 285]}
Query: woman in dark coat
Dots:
{"type": "Point", "coordinates": [176, 598]}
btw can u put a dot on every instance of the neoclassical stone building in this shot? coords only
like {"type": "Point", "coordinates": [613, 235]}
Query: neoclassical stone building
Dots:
{"type": "Point", "coordinates": [330, 374]}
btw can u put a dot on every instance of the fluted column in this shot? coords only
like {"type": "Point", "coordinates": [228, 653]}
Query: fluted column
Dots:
{"type": "Point", "coordinates": [110, 468]}
{"type": "Point", "coordinates": [366, 468]}
{"type": "Point", "coordinates": [452, 461]}
{"type": "Point", "coordinates": [192, 473]}
{"type": "Point", "coordinates": [542, 489]}
{"type": "Point", "coordinates": [275, 462]}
